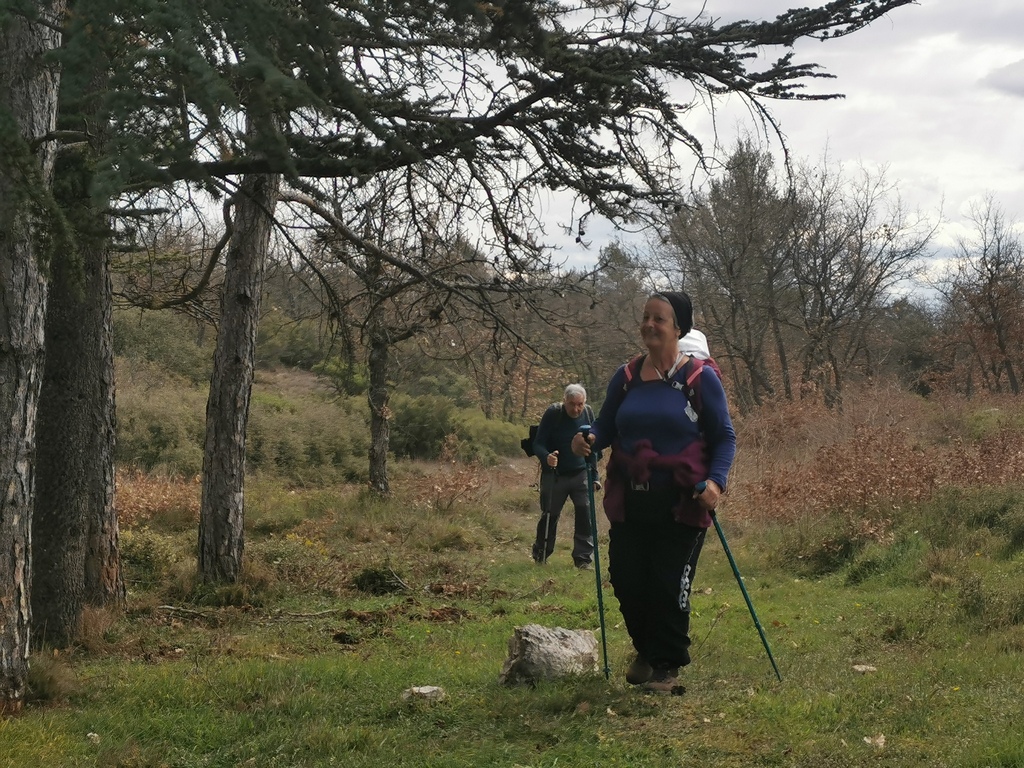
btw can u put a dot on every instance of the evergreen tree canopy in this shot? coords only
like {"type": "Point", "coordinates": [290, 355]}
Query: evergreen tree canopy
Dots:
{"type": "Point", "coordinates": [528, 94]}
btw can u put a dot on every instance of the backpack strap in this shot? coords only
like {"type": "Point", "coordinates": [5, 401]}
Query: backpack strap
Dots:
{"type": "Point", "coordinates": [632, 371]}
{"type": "Point", "coordinates": [690, 384]}
{"type": "Point", "coordinates": [685, 380]}
{"type": "Point", "coordinates": [698, 365]}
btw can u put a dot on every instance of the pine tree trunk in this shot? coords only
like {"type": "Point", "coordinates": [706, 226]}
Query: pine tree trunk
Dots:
{"type": "Point", "coordinates": [74, 529]}
{"type": "Point", "coordinates": [104, 580]}
{"type": "Point", "coordinates": [28, 109]}
{"type": "Point", "coordinates": [380, 423]}
{"type": "Point", "coordinates": [221, 540]}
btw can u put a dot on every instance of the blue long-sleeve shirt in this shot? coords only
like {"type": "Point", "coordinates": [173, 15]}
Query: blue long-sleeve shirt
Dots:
{"type": "Point", "coordinates": [654, 411]}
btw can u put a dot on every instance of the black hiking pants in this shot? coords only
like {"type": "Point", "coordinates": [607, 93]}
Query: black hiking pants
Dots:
{"type": "Point", "coordinates": [652, 561]}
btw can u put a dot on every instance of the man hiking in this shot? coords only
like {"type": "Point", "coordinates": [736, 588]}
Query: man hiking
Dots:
{"type": "Point", "coordinates": [563, 476]}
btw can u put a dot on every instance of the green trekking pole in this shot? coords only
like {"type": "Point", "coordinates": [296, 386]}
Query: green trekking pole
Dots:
{"type": "Point", "coordinates": [591, 479]}
{"type": "Point", "coordinates": [699, 488]}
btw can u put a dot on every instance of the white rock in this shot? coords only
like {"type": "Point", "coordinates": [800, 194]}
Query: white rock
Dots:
{"type": "Point", "coordinates": [875, 741]}
{"type": "Point", "coordinates": [542, 653]}
{"type": "Point", "coordinates": [424, 693]}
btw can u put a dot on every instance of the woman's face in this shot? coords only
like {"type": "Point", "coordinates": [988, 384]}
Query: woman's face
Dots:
{"type": "Point", "coordinates": [658, 326]}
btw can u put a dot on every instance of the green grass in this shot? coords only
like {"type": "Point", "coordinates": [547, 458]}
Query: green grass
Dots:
{"type": "Point", "coordinates": [312, 672]}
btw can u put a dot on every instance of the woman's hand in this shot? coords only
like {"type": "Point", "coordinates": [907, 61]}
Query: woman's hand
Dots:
{"type": "Point", "coordinates": [581, 445]}
{"type": "Point", "coordinates": [708, 498]}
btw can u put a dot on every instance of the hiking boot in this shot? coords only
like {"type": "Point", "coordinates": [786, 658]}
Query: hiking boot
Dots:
{"type": "Point", "coordinates": [665, 681]}
{"type": "Point", "coordinates": [639, 671]}
{"type": "Point", "coordinates": [584, 567]}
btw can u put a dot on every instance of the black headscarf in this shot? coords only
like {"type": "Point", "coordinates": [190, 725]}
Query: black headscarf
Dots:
{"type": "Point", "coordinates": [681, 306]}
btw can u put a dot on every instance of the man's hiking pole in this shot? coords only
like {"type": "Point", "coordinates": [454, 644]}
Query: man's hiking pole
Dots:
{"type": "Point", "coordinates": [547, 529]}
{"type": "Point", "coordinates": [591, 479]}
{"type": "Point", "coordinates": [546, 511]}
{"type": "Point", "coordinates": [699, 488]}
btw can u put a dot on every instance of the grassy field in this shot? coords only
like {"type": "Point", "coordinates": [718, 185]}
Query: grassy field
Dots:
{"type": "Point", "coordinates": [898, 627]}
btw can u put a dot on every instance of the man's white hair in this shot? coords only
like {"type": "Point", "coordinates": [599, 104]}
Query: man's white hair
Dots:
{"type": "Point", "coordinates": [575, 390]}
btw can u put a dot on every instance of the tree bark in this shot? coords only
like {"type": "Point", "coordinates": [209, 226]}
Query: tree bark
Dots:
{"type": "Point", "coordinates": [76, 558]}
{"type": "Point", "coordinates": [780, 350]}
{"type": "Point", "coordinates": [28, 110]}
{"type": "Point", "coordinates": [221, 537]}
{"type": "Point", "coordinates": [378, 395]}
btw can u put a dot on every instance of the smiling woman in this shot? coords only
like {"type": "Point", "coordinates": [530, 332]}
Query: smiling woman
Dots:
{"type": "Point", "coordinates": [672, 444]}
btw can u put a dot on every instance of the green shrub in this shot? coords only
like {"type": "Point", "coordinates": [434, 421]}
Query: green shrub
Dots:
{"type": "Point", "coordinates": [149, 557]}
{"type": "Point", "coordinates": [290, 559]}
{"type": "Point", "coordinates": [271, 509]}
{"type": "Point", "coordinates": [162, 427]}
{"type": "Point", "coordinates": [975, 517]}
{"type": "Point", "coordinates": [175, 342]}
{"type": "Point", "coordinates": [449, 385]}
{"type": "Point", "coordinates": [272, 402]}
{"type": "Point", "coordinates": [344, 378]}
{"type": "Point", "coordinates": [420, 425]}
{"type": "Point", "coordinates": [978, 424]}
{"type": "Point", "coordinates": [283, 341]}
{"type": "Point", "coordinates": [483, 439]}
{"type": "Point", "coordinates": [991, 599]}
{"type": "Point", "coordinates": [900, 562]}
{"type": "Point", "coordinates": [306, 440]}
{"type": "Point", "coordinates": [817, 546]}
{"type": "Point", "coordinates": [378, 581]}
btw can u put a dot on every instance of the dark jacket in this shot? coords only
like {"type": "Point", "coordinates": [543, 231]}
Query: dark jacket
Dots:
{"type": "Point", "coordinates": [555, 433]}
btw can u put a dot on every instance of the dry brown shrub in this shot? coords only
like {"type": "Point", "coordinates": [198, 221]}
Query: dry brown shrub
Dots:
{"type": "Point", "coordinates": [142, 497]}
{"type": "Point", "coordinates": [885, 448]}
{"type": "Point", "coordinates": [454, 482]}
{"type": "Point", "coordinates": [50, 679]}
{"type": "Point", "coordinates": [96, 624]}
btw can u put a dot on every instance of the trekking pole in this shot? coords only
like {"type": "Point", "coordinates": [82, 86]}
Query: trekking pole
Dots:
{"type": "Point", "coordinates": [591, 478]}
{"type": "Point", "coordinates": [546, 509]}
{"type": "Point", "coordinates": [699, 488]}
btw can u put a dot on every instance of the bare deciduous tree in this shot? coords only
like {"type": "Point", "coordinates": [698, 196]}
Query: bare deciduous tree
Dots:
{"type": "Point", "coordinates": [983, 297]}
{"type": "Point", "coordinates": [854, 242]}
{"type": "Point", "coordinates": [730, 248]}
{"type": "Point", "coordinates": [795, 273]}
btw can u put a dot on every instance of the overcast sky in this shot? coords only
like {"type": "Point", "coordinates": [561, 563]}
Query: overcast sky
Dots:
{"type": "Point", "coordinates": [934, 92]}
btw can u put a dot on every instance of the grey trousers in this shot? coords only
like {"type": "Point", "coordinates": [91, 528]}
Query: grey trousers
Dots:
{"type": "Point", "coordinates": [554, 491]}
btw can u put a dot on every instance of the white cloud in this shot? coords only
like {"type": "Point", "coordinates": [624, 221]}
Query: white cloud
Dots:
{"type": "Point", "coordinates": [934, 92]}
{"type": "Point", "coordinates": [1008, 79]}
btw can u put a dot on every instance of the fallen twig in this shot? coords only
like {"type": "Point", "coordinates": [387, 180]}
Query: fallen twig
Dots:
{"type": "Point", "coordinates": [186, 611]}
